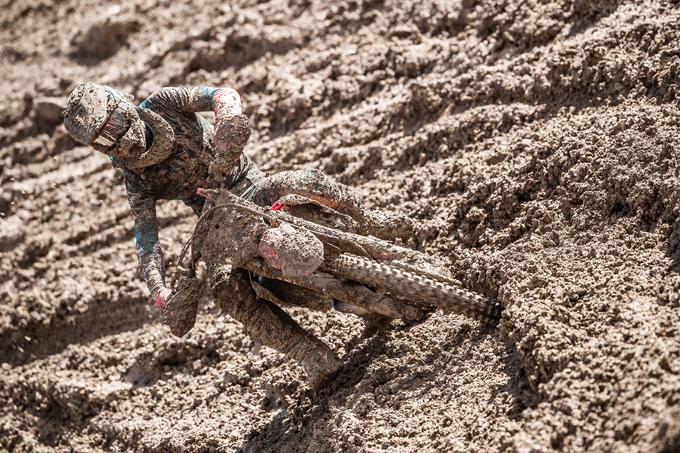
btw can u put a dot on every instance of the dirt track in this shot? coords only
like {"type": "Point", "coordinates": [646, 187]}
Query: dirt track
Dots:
{"type": "Point", "coordinates": [536, 144]}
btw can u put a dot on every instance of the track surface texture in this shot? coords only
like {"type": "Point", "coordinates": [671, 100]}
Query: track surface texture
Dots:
{"type": "Point", "coordinates": [535, 143]}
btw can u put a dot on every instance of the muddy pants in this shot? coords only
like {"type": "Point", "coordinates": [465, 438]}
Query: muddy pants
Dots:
{"type": "Point", "coordinates": [273, 327]}
{"type": "Point", "coordinates": [323, 189]}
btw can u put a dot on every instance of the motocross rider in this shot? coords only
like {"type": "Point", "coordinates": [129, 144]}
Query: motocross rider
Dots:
{"type": "Point", "coordinates": [167, 151]}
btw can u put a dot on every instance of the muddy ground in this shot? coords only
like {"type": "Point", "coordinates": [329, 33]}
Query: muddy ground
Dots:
{"type": "Point", "coordinates": [535, 142]}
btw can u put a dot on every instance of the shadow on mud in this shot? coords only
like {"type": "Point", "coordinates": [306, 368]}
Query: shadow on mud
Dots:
{"type": "Point", "coordinates": [277, 432]}
{"type": "Point", "coordinates": [103, 318]}
{"type": "Point", "coordinates": [673, 248]}
{"type": "Point", "coordinates": [288, 430]}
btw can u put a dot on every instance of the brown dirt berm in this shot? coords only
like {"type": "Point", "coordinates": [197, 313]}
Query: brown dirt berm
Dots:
{"type": "Point", "coordinates": [535, 143]}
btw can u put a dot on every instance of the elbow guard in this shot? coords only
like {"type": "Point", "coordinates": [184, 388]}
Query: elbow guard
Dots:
{"type": "Point", "coordinates": [240, 131]}
{"type": "Point", "coordinates": [232, 134]}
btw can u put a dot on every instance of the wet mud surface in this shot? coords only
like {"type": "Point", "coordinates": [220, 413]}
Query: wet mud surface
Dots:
{"type": "Point", "coordinates": [535, 144]}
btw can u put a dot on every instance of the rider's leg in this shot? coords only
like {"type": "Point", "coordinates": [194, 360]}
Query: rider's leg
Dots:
{"type": "Point", "coordinates": [271, 326]}
{"type": "Point", "coordinates": [312, 184]}
{"type": "Point", "coordinates": [323, 189]}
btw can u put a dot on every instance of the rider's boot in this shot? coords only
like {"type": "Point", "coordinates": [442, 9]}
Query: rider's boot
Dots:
{"type": "Point", "coordinates": [273, 327]}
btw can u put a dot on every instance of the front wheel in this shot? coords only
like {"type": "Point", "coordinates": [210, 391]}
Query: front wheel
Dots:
{"type": "Point", "coordinates": [411, 286]}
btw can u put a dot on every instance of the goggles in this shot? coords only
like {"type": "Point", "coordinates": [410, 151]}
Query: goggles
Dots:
{"type": "Point", "coordinates": [114, 128]}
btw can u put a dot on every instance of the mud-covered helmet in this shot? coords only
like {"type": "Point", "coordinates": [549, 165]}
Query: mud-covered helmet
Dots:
{"type": "Point", "coordinates": [101, 117]}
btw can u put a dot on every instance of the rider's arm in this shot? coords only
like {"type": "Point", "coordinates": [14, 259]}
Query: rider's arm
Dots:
{"type": "Point", "coordinates": [149, 252]}
{"type": "Point", "coordinates": [231, 126]}
{"type": "Point", "coordinates": [225, 102]}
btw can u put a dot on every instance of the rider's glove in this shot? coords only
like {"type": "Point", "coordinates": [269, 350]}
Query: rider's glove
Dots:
{"type": "Point", "coordinates": [162, 298]}
{"type": "Point", "coordinates": [231, 135]}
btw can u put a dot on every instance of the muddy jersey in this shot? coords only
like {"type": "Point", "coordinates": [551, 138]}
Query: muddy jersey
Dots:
{"type": "Point", "coordinates": [184, 171]}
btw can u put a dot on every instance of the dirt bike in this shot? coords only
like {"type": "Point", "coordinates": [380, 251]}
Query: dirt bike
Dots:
{"type": "Point", "coordinates": [330, 265]}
